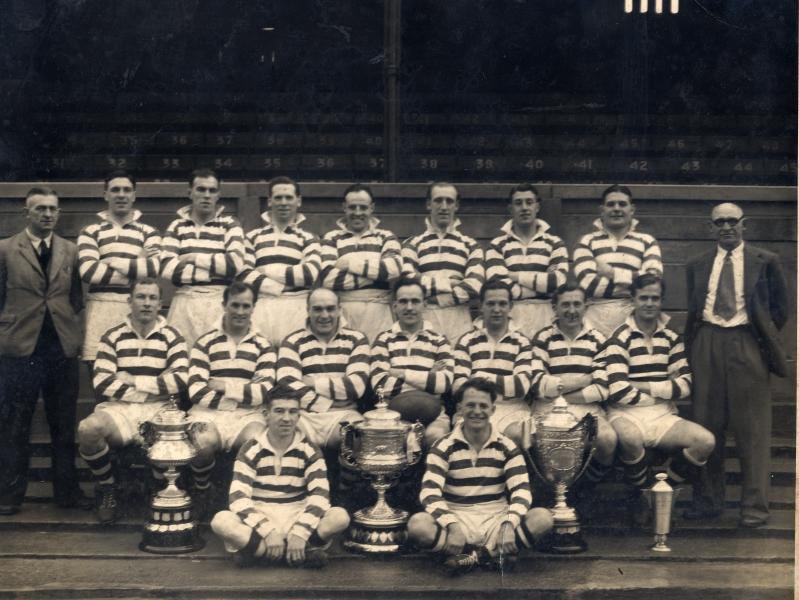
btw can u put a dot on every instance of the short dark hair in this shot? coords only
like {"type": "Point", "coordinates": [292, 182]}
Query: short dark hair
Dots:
{"type": "Point", "coordinates": [436, 184]}
{"type": "Point", "coordinates": [203, 173]}
{"type": "Point", "coordinates": [146, 281]}
{"type": "Point", "coordinates": [524, 187]}
{"type": "Point", "coordinates": [281, 392]}
{"type": "Point", "coordinates": [359, 187]}
{"type": "Point", "coordinates": [119, 174]}
{"type": "Point", "coordinates": [496, 283]}
{"type": "Point", "coordinates": [645, 279]}
{"type": "Point", "coordinates": [404, 281]}
{"type": "Point", "coordinates": [623, 189]}
{"type": "Point", "coordinates": [41, 190]}
{"type": "Point", "coordinates": [282, 180]}
{"type": "Point", "coordinates": [236, 288]}
{"type": "Point", "coordinates": [569, 286]}
{"type": "Point", "coordinates": [480, 384]}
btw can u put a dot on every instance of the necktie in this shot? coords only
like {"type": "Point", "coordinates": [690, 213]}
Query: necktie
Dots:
{"type": "Point", "coordinates": [725, 291]}
{"type": "Point", "coordinates": [44, 255]}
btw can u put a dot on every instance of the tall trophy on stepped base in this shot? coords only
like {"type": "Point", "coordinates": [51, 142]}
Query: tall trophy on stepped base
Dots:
{"type": "Point", "coordinates": [172, 528]}
{"type": "Point", "coordinates": [380, 447]}
{"type": "Point", "coordinates": [662, 498]}
{"type": "Point", "coordinates": [560, 448]}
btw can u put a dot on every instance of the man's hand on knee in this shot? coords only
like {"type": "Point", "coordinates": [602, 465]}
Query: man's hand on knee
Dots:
{"type": "Point", "coordinates": [275, 545]}
{"type": "Point", "coordinates": [295, 550]}
{"type": "Point", "coordinates": [505, 542]}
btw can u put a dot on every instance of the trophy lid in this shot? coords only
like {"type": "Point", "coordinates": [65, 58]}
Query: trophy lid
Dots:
{"type": "Point", "coordinates": [382, 417]}
{"type": "Point", "coordinates": [559, 417]}
{"type": "Point", "coordinates": [170, 415]}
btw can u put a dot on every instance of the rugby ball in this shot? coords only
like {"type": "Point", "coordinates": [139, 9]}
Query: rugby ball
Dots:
{"type": "Point", "coordinates": [416, 406]}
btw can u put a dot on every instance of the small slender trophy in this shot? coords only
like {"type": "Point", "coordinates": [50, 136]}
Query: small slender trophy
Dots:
{"type": "Point", "coordinates": [560, 448]}
{"type": "Point", "coordinates": [381, 447]}
{"type": "Point", "coordinates": [662, 498]}
{"type": "Point", "coordinates": [172, 528]}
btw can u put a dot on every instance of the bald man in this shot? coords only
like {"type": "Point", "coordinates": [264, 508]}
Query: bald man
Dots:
{"type": "Point", "coordinates": [737, 302]}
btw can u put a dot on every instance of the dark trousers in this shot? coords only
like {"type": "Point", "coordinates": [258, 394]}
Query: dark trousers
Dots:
{"type": "Point", "coordinates": [731, 390]}
{"type": "Point", "coordinates": [55, 376]}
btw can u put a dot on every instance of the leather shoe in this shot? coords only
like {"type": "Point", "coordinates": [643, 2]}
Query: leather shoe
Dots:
{"type": "Point", "coordinates": [700, 514]}
{"type": "Point", "coordinates": [752, 522]}
{"type": "Point", "coordinates": [6, 510]}
{"type": "Point", "coordinates": [76, 500]}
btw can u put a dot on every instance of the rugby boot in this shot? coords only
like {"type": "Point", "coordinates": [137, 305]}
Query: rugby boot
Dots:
{"type": "Point", "coordinates": [461, 564]}
{"type": "Point", "coordinates": [107, 506]}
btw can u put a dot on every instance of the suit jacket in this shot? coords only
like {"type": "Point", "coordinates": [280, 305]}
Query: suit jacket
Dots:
{"type": "Point", "coordinates": [26, 292]}
{"type": "Point", "coordinates": [765, 294]}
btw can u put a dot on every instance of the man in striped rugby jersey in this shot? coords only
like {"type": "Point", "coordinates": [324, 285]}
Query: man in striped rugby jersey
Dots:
{"type": "Point", "coordinates": [531, 258]}
{"type": "Point", "coordinates": [140, 363]}
{"type": "Point", "coordinates": [607, 259]}
{"type": "Point", "coordinates": [112, 254]}
{"type": "Point", "coordinates": [470, 474]}
{"type": "Point", "coordinates": [202, 251]}
{"type": "Point", "coordinates": [449, 263]}
{"type": "Point", "coordinates": [328, 366]}
{"type": "Point", "coordinates": [232, 368]}
{"type": "Point", "coordinates": [568, 362]}
{"type": "Point", "coordinates": [360, 261]}
{"type": "Point", "coordinates": [647, 371]}
{"type": "Point", "coordinates": [283, 263]}
{"type": "Point", "coordinates": [279, 497]}
{"type": "Point", "coordinates": [412, 357]}
{"type": "Point", "coordinates": [495, 350]}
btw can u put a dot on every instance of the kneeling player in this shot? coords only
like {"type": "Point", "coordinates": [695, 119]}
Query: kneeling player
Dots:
{"type": "Point", "coordinates": [279, 497]}
{"type": "Point", "coordinates": [139, 363]}
{"type": "Point", "coordinates": [647, 371]}
{"type": "Point", "coordinates": [231, 370]}
{"type": "Point", "coordinates": [469, 473]}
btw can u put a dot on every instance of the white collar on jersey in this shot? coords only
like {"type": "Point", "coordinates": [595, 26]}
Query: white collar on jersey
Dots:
{"type": "Point", "coordinates": [267, 218]}
{"type": "Point", "coordinates": [453, 227]}
{"type": "Point", "coordinates": [105, 215]}
{"type": "Point", "coordinates": [373, 223]}
{"type": "Point", "coordinates": [541, 226]}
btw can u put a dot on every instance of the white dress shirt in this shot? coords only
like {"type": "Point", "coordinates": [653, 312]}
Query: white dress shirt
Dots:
{"type": "Point", "coordinates": [740, 317]}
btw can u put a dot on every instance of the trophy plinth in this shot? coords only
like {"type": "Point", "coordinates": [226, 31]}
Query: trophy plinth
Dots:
{"type": "Point", "coordinates": [560, 450]}
{"type": "Point", "coordinates": [381, 448]}
{"type": "Point", "coordinates": [172, 528]}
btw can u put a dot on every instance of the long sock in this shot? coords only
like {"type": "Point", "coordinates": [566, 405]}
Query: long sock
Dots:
{"type": "Point", "coordinates": [100, 466]}
{"type": "Point", "coordinates": [637, 471]}
{"type": "Point", "coordinates": [202, 475]}
{"type": "Point", "coordinates": [683, 467]}
{"type": "Point", "coordinates": [524, 537]}
{"type": "Point", "coordinates": [595, 472]}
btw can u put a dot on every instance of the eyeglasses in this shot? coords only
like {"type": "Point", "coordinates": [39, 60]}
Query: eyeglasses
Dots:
{"type": "Point", "coordinates": [731, 221]}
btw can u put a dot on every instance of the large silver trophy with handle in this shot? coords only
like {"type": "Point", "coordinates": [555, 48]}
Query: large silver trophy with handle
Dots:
{"type": "Point", "coordinates": [172, 528]}
{"type": "Point", "coordinates": [560, 447]}
{"type": "Point", "coordinates": [380, 447]}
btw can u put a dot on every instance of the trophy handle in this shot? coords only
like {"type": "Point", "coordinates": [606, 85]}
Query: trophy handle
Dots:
{"type": "Point", "coordinates": [591, 428]}
{"type": "Point", "coordinates": [346, 451]}
{"type": "Point", "coordinates": [417, 431]}
{"type": "Point", "coordinates": [148, 435]}
{"type": "Point", "coordinates": [528, 433]}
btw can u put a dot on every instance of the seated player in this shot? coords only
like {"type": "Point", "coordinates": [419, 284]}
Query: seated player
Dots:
{"type": "Point", "coordinates": [495, 351]}
{"type": "Point", "coordinates": [647, 371]}
{"type": "Point", "coordinates": [470, 474]}
{"type": "Point", "coordinates": [327, 365]}
{"type": "Point", "coordinates": [139, 364]}
{"type": "Point", "coordinates": [232, 368]}
{"type": "Point", "coordinates": [412, 362]}
{"type": "Point", "coordinates": [568, 362]}
{"type": "Point", "coordinates": [279, 498]}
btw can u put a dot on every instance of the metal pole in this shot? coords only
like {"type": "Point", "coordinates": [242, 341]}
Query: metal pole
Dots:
{"type": "Point", "coordinates": [392, 43]}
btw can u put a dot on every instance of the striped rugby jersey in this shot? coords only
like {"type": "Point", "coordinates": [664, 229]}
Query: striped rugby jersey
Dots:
{"type": "Point", "coordinates": [339, 369]}
{"type": "Point", "coordinates": [247, 368]}
{"type": "Point", "coordinates": [435, 257]}
{"type": "Point", "coordinates": [415, 355]}
{"type": "Point", "coordinates": [111, 256]}
{"type": "Point", "coordinates": [262, 476]}
{"type": "Point", "coordinates": [541, 265]}
{"type": "Point", "coordinates": [281, 261]}
{"type": "Point", "coordinates": [630, 355]}
{"type": "Point", "coordinates": [159, 363]}
{"type": "Point", "coordinates": [634, 254]}
{"type": "Point", "coordinates": [457, 473]}
{"type": "Point", "coordinates": [555, 355]}
{"type": "Point", "coordinates": [374, 258]}
{"type": "Point", "coordinates": [505, 362]}
{"type": "Point", "coordinates": [220, 242]}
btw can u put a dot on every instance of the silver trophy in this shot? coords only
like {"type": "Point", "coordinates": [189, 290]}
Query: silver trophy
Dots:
{"type": "Point", "coordinates": [172, 528]}
{"type": "Point", "coordinates": [380, 447]}
{"type": "Point", "coordinates": [560, 448]}
{"type": "Point", "coordinates": [661, 498]}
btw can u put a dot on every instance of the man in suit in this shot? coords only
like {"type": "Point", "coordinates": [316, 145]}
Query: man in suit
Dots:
{"type": "Point", "coordinates": [737, 302]}
{"type": "Point", "coordinates": [40, 336]}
